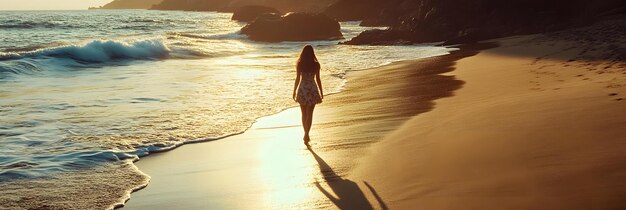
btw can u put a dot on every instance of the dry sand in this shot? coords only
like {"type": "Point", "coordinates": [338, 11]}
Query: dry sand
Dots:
{"type": "Point", "coordinates": [537, 123]}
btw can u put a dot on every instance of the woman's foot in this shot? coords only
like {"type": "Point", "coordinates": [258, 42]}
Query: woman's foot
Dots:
{"type": "Point", "coordinates": [306, 140]}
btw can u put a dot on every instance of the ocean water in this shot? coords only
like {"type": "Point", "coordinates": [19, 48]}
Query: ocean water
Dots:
{"type": "Point", "coordinates": [80, 89]}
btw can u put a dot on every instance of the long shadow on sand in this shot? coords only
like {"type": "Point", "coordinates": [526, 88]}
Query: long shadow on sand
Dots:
{"type": "Point", "coordinates": [349, 195]}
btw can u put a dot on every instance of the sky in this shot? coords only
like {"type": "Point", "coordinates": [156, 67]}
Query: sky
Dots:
{"type": "Point", "coordinates": [50, 4]}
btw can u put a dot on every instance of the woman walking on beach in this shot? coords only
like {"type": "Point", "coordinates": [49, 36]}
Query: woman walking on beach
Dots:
{"type": "Point", "coordinates": [308, 92]}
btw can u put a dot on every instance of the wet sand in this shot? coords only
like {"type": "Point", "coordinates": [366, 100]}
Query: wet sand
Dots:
{"type": "Point", "coordinates": [536, 123]}
{"type": "Point", "coordinates": [269, 166]}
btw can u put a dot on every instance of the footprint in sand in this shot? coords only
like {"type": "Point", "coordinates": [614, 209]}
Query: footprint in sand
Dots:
{"type": "Point", "coordinates": [615, 94]}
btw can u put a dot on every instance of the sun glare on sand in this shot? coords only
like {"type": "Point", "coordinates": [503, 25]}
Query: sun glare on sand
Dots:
{"type": "Point", "coordinates": [286, 166]}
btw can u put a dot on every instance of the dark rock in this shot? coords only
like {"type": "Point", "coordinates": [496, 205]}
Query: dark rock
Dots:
{"type": "Point", "coordinates": [271, 16]}
{"type": "Point", "coordinates": [249, 13]}
{"type": "Point", "coordinates": [193, 5]}
{"type": "Point", "coordinates": [385, 18]}
{"type": "Point", "coordinates": [285, 5]}
{"type": "Point", "coordinates": [353, 10]}
{"type": "Point", "coordinates": [463, 21]}
{"type": "Point", "coordinates": [379, 37]}
{"type": "Point", "coordinates": [293, 27]}
{"type": "Point", "coordinates": [233, 5]}
{"type": "Point", "coordinates": [128, 4]}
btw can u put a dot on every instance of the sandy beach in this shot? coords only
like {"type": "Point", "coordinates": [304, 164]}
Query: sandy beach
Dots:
{"type": "Point", "coordinates": [269, 166]}
{"type": "Point", "coordinates": [527, 122]}
{"type": "Point", "coordinates": [208, 104]}
{"type": "Point", "coordinates": [539, 124]}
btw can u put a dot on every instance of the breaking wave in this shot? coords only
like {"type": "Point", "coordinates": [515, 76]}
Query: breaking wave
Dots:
{"type": "Point", "coordinates": [99, 51]}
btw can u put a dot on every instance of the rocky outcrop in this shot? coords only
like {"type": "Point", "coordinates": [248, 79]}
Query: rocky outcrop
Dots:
{"type": "Point", "coordinates": [286, 5]}
{"type": "Point", "coordinates": [249, 13]}
{"type": "Point", "coordinates": [461, 21]}
{"type": "Point", "coordinates": [233, 5]}
{"type": "Point", "coordinates": [293, 27]}
{"type": "Point", "coordinates": [380, 37]}
{"type": "Point", "coordinates": [353, 10]}
{"type": "Point", "coordinates": [129, 4]}
{"type": "Point", "coordinates": [193, 5]}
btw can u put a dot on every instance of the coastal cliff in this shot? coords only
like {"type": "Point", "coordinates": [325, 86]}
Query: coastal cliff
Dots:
{"type": "Point", "coordinates": [192, 5]}
{"type": "Point", "coordinates": [232, 5]}
{"type": "Point", "coordinates": [129, 4]}
{"type": "Point", "coordinates": [459, 21]}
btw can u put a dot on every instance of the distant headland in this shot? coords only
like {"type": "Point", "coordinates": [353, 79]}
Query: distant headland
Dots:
{"type": "Point", "coordinates": [218, 5]}
{"type": "Point", "coordinates": [128, 4]}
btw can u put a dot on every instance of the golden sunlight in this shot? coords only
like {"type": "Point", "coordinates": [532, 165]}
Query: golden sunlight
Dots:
{"type": "Point", "coordinates": [286, 165]}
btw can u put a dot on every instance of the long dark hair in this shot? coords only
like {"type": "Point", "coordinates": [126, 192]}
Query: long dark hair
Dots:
{"type": "Point", "coordinates": [308, 61]}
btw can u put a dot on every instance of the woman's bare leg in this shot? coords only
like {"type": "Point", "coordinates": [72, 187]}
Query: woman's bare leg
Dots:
{"type": "Point", "coordinates": [309, 122]}
{"type": "Point", "coordinates": [303, 110]}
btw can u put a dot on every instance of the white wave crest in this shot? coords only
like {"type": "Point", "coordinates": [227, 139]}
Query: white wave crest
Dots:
{"type": "Point", "coordinates": [99, 51]}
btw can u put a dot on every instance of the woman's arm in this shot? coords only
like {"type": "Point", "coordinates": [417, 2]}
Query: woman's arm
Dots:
{"type": "Point", "coordinates": [319, 83]}
{"type": "Point", "coordinates": [296, 83]}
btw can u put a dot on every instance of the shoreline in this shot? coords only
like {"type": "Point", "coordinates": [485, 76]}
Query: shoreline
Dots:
{"type": "Point", "coordinates": [521, 133]}
{"type": "Point", "coordinates": [331, 122]}
{"type": "Point", "coordinates": [536, 121]}
{"type": "Point", "coordinates": [539, 124]}
{"type": "Point", "coordinates": [122, 187]}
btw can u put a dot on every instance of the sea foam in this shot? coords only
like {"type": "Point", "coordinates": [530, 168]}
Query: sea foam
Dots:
{"type": "Point", "coordinates": [12, 167]}
{"type": "Point", "coordinates": [68, 127]}
{"type": "Point", "coordinates": [96, 53]}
